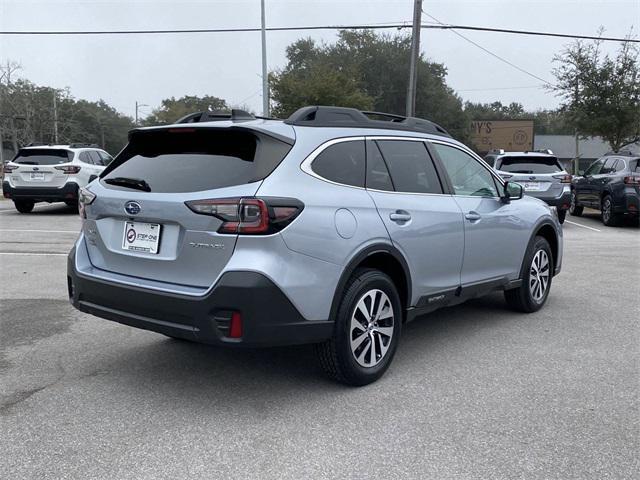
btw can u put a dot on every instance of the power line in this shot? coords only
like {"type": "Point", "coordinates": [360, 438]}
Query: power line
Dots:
{"type": "Point", "coordinates": [495, 55]}
{"type": "Point", "coordinates": [498, 88]}
{"type": "Point", "coordinates": [397, 26]}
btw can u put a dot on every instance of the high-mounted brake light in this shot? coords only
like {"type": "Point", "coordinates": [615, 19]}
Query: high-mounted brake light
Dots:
{"type": "Point", "coordinates": [563, 178]}
{"type": "Point", "coordinates": [632, 180]}
{"type": "Point", "coordinates": [249, 215]}
{"type": "Point", "coordinates": [9, 168]}
{"type": "Point", "coordinates": [69, 169]}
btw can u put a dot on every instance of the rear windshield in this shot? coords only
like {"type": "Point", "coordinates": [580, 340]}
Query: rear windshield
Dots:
{"type": "Point", "coordinates": [634, 165]}
{"type": "Point", "coordinates": [530, 164]}
{"type": "Point", "coordinates": [192, 160]}
{"type": "Point", "coordinates": [43, 156]}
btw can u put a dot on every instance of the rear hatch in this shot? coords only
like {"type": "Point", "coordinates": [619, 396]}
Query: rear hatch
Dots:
{"type": "Point", "coordinates": [540, 175]}
{"type": "Point", "coordinates": [144, 229]}
{"type": "Point", "coordinates": [37, 167]}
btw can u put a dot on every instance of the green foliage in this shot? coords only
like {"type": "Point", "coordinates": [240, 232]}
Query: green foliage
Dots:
{"type": "Point", "coordinates": [600, 95]}
{"type": "Point", "coordinates": [367, 71]}
{"type": "Point", "coordinates": [171, 109]}
{"type": "Point", "coordinates": [27, 115]}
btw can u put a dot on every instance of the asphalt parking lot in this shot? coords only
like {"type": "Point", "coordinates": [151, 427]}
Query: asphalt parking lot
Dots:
{"type": "Point", "coordinates": [475, 391]}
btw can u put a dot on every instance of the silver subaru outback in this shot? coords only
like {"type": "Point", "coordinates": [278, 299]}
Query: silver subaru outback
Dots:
{"type": "Point", "coordinates": [334, 227]}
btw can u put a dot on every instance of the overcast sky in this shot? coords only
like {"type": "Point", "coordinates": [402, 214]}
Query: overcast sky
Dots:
{"type": "Point", "coordinates": [148, 68]}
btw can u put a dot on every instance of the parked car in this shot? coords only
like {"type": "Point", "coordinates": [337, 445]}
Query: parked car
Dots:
{"type": "Point", "coordinates": [611, 184]}
{"type": "Point", "coordinates": [51, 173]}
{"type": "Point", "coordinates": [539, 172]}
{"type": "Point", "coordinates": [332, 227]}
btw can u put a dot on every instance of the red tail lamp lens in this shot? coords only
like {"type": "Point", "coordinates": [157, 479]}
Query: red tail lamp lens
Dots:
{"type": "Point", "coordinates": [235, 329]}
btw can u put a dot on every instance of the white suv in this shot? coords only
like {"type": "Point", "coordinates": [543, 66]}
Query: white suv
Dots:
{"type": "Point", "coordinates": [51, 173]}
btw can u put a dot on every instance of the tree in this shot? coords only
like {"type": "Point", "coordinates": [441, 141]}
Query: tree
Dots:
{"type": "Point", "coordinates": [366, 71]}
{"type": "Point", "coordinates": [495, 111]}
{"type": "Point", "coordinates": [171, 109]}
{"type": "Point", "coordinates": [600, 95]}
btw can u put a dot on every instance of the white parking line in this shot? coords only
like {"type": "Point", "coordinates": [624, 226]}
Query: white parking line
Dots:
{"type": "Point", "coordinates": [34, 254]}
{"type": "Point", "coordinates": [583, 226]}
{"type": "Point", "coordinates": [42, 231]}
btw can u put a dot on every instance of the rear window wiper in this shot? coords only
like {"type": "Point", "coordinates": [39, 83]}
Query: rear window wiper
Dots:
{"type": "Point", "coordinates": [134, 183]}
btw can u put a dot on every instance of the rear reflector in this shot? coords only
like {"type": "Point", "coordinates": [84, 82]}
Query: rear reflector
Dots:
{"type": "Point", "coordinates": [235, 328]}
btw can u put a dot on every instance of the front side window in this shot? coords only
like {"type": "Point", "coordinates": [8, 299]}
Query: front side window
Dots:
{"type": "Point", "coordinates": [342, 163]}
{"type": "Point", "coordinates": [85, 157]}
{"type": "Point", "coordinates": [411, 168]}
{"type": "Point", "coordinates": [595, 167]}
{"type": "Point", "coordinates": [609, 166]}
{"type": "Point", "coordinates": [467, 175]}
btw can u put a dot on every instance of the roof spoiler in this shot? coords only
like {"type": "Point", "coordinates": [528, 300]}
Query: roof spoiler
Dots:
{"type": "Point", "coordinates": [236, 115]}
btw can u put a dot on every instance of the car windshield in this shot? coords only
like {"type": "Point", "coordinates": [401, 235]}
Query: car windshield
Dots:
{"type": "Point", "coordinates": [530, 164]}
{"type": "Point", "coordinates": [43, 156]}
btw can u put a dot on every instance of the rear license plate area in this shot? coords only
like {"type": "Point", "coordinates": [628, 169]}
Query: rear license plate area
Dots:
{"type": "Point", "coordinates": [141, 237]}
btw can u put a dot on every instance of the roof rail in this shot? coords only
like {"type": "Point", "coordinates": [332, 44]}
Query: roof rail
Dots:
{"type": "Point", "coordinates": [235, 115]}
{"type": "Point", "coordinates": [624, 153]}
{"type": "Point", "coordinates": [322, 116]}
{"type": "Point", "coordinates": [499, 151]}
{"type": "Point", "coordinates": [544, 150]}
{"type": "Point", "coordinates": [84, 145]}
{"type": "Point", "coordinates": [37, 144]}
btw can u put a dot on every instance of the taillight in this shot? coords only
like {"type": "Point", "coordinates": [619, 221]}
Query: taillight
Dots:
{"type": "Point", "coordinates": [69, 169]}
{"type": "Point", "coordinates": [9, 168]}
{"type": "Point", "coordinates": [632, 180]}
{"type": "Point", "coordinates": [563, 178]}
{"type": "Point", "coordinates": [85, 197]}
{"type": "Point", "coordinates": [249, 215]}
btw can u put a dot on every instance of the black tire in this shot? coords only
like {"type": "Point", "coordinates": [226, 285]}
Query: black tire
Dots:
{"type": "Point", "coordinates": [562, 214]}
{"type": "Point", "coordinates": [522, 298]}
{"type": "Point", "coordinates": [575, 209]}
{"type": "Point", "coordinates": [24, 206]}
{"type": "Point", "coordinates": [609, 218]}
{"type": "Point", "coordinates": [336, 356]}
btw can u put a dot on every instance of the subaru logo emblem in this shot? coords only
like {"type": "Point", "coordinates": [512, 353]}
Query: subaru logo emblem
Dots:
{"type": "Point", "coordinates": [132, 208]}
{"type": "Point", "coordinates": [35, 169]}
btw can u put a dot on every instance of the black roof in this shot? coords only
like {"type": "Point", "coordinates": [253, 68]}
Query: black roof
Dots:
{"type": "Point", "coordinates": [321, 116]}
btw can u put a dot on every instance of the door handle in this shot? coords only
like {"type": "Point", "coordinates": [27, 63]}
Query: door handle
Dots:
{"type": "Point", "coordinates": [473, 216]}
{"type": "Point", "coordinates": [400, 216]}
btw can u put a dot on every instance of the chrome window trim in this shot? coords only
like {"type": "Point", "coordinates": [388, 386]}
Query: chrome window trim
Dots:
{"type": "Point", "coordinates": [305, 166]}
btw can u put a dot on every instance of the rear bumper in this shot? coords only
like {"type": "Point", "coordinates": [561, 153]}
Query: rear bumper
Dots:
{"type": "Point", "coordinates": [560, 201]}
{"type": "Point", "coordinates": [268, 317]}
{"type": "Point", "coordinates": [629, 203]}
{"type": "Point", "coordinates": [69, 191]}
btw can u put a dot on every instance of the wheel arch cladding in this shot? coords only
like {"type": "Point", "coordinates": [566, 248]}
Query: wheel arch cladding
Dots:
{"type": "Point", "coordinates": [547, 232]}
{"type": "Point", "coordinates": [388, 260]}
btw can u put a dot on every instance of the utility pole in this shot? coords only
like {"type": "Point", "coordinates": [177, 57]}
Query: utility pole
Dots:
{"type": "Point", "coordinates": [55, 117]}
{"type": "Point", "coordinates": [265, 78]}
{"type": "Point", "coordinates": [138, 105]}
{"type": "Point", "coordinates": [415, 54]}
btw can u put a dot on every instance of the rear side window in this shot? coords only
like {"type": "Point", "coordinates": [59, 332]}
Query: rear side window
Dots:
{"type": "Point", "coordinates": [43, 156]}
{"type": "Point", "coordinates": [634, 166]}
{"type": "Point", "coordinates": [342, 163]}
{"type": "Point", "coordinates": [530, 164]}
{"type": "Point", "coordinates": [378, 177]}
{"type": "Point", "coordinates": [85, 157]}
{"type": "Point", "coordinates": [192, 160]}
{"type": "Point", "coordinates": [410, 166]}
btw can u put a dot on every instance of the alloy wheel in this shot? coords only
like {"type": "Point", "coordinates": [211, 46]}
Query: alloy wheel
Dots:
{"type": "Point", "coordinates": [606, 210]}
{"type": "Point", "coordinates": [371, 329]}
{"type": "Point", "coordinates": [539, 275]}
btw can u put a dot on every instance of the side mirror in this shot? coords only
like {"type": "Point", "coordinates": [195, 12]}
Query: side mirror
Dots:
{"type": "Point", "coordinates": [512, 191]}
